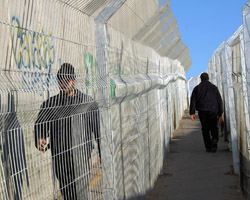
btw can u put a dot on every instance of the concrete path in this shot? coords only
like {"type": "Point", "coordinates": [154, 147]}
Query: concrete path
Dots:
{"type": "Point", "coordinates": [191, 173]}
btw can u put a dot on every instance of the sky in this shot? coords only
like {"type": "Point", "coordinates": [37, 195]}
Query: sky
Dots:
{"type": "Point", "coordinates": [204, 25]}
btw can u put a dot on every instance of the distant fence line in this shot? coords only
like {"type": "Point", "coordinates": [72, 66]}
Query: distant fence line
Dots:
{"type": "Point", "coordinates": [229, 69]}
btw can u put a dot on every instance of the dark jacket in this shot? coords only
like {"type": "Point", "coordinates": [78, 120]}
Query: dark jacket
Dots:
{"type": "Point", "coordinates": [13, 157]}
{"type": "Point", "coordinates": [69, 122]}
{"type": "Point", "coordinates": [206, 97]}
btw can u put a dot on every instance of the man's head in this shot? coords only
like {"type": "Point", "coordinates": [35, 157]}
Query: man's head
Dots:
{"type": "Point", "coordinates": [204, 76]}
{"type": "Point", "coordinates": [66, 78]}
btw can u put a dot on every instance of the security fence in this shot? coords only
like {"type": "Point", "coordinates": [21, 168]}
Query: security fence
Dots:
{"type": "Point", "coordinates": [191, 83]}
{"type": "Point", "coordinates": [90, 93]}
{"type": "Point", "coordinates": [229, 70]}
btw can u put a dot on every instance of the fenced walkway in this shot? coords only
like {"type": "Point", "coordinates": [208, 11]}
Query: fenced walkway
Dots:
{"type": "Point", "coordinates": [191, 173]}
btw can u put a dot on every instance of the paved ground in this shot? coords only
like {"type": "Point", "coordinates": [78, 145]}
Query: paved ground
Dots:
{"type": "Point", "coordinates": [191, 173]}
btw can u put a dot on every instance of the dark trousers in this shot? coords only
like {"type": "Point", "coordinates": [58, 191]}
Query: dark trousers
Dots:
{"type": "Point", "coordinates": [209, 128]}
{"type": "Point", "coordinates": [66, 176]}
{"type": "Point", "coordinates": [73, 185]}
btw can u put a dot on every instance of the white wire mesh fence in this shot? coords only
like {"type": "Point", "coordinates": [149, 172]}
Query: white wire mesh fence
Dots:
{"type": "Point", "coordinates": [191, 83]}
{"type": "Point", "coordinates": [86, 111]}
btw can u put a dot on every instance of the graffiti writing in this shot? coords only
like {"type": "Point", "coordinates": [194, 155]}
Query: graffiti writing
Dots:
{"type": "Point", "coordinates": [112, 89]}
{"type": "Point", "coordinates": [89, 70]}
{"type": "Point", "coordinates": [33, 53]}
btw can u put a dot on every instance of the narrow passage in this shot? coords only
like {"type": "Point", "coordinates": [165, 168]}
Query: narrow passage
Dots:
{"type": "Point", "coordinates": [191, 173]}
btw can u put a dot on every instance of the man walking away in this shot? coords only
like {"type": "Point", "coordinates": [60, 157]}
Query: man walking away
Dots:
{"type": "Point", "coordinates": [206, 99]}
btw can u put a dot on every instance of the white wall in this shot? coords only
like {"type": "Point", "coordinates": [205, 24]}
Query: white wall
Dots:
{"type": "Point", "coordinates": [142, 95]}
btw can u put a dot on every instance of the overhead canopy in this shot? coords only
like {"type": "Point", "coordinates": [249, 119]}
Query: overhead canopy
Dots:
{"type": "Point", "coordinates": [164, 36]}
{"type": "Point", "coordinates": [89, 7]}
{"type": "Point", "coordinates": [159, 32]}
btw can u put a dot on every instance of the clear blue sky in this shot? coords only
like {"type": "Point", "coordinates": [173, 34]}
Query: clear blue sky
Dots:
{"type": "Point", "coordinates": [204, 25]}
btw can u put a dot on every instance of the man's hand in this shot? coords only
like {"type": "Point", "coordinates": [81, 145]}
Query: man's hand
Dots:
{"type": "Point", "coordinates": [192, 117]}
{"type": "Point", "coordinates": [42, 144]}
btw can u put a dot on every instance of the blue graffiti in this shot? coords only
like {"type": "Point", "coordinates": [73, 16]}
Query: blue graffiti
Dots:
{"type": "Point", "coordinates": [33, 53]}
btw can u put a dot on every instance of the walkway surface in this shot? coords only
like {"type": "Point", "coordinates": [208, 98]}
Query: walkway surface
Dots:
{"type": "Point", "coordinates": [191, 173]}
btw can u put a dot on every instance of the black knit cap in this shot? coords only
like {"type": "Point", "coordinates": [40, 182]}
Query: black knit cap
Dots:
{"type": "Point", "coordinates": [66, 72]}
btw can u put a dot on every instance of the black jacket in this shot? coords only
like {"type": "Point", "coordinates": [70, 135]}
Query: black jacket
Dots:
{"type": "Point", "coordinates": [14, 156]}
{"type": "Point", "coordinates": [69, 122]}
{"type": "Point", "coordinates": [206, 97]}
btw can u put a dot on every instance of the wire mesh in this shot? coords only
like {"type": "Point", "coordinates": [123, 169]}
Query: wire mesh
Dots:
{"type": "Point", "coordinates": [228, 68]}
{"type": "Point", "coordinates": [164, 36]}
{"type": "Point", "coordinates": [84, 115]}
{"type": "Point", "coordinates": [40, 160]}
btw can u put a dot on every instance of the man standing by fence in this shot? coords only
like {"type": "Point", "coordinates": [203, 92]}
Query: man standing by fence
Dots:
{"type": "Point", "coordinates": [69, 119]}
{"type": "Point", "coordinates": [207, 100]}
